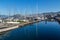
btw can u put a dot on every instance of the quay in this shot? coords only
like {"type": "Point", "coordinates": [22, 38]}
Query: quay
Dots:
{"type": "Point", "coordinates": [6, 27]}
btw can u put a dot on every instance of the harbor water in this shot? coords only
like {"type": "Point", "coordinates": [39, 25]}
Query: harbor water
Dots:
{"type": "Point", "coordinates": [44, 30]}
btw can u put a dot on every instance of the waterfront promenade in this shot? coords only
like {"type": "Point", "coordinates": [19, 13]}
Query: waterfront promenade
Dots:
{"type": "Point", "coordinates": [6, 27]}
{"type": "Point", "coordinates": [9, 26]}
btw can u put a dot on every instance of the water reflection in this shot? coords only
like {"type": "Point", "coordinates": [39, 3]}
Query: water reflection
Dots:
{"type": "Point", "coordinates": [45, 22]}
{"type": "Point", "coordinates": [59, 22]}
{"type": "Point", "coordinates": [51, 20]}
{"type": "Point", "coordinates": [42, 30]}
{"type": "Point", "coordinates": [4, 35]}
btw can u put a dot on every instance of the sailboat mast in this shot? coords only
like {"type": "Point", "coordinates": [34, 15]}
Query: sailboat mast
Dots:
{"type": "Point", "coordinates": [37, 16]}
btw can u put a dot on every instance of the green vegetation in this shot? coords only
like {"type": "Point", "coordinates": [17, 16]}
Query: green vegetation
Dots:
{"type": "Point", "coordinates": [21, 21]}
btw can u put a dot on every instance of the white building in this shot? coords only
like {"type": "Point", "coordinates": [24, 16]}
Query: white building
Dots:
{"type": "Point", "coordinates": [26, 20]}
{"type": "Point", "coordinates": [42, 18]}
{"type": "Point", "coordinates": [39, 18]}
{"type": "Point", "coordinates": [13, 22]}
{"type": "Point", "coordinates": [1, 20]}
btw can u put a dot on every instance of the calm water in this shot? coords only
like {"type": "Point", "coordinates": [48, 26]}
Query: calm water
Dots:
{"type": "Point", "coordinates": [45, 30]}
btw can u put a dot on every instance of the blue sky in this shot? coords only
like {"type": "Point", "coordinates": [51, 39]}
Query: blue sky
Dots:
{"type": "Point", "coordinates": [49, 5]}
{"type": "Point", "coordinates": [28, 6]}
{"type": "Point", "coordinates": [18, 6]}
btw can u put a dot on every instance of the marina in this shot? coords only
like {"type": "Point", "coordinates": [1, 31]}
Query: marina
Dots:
{"type": "Point", "coordinates": [35, 31]}
{"type": "Point", "coordinates": [29, 19]}
{"type": "Point", "coordinates": [13, 25]}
